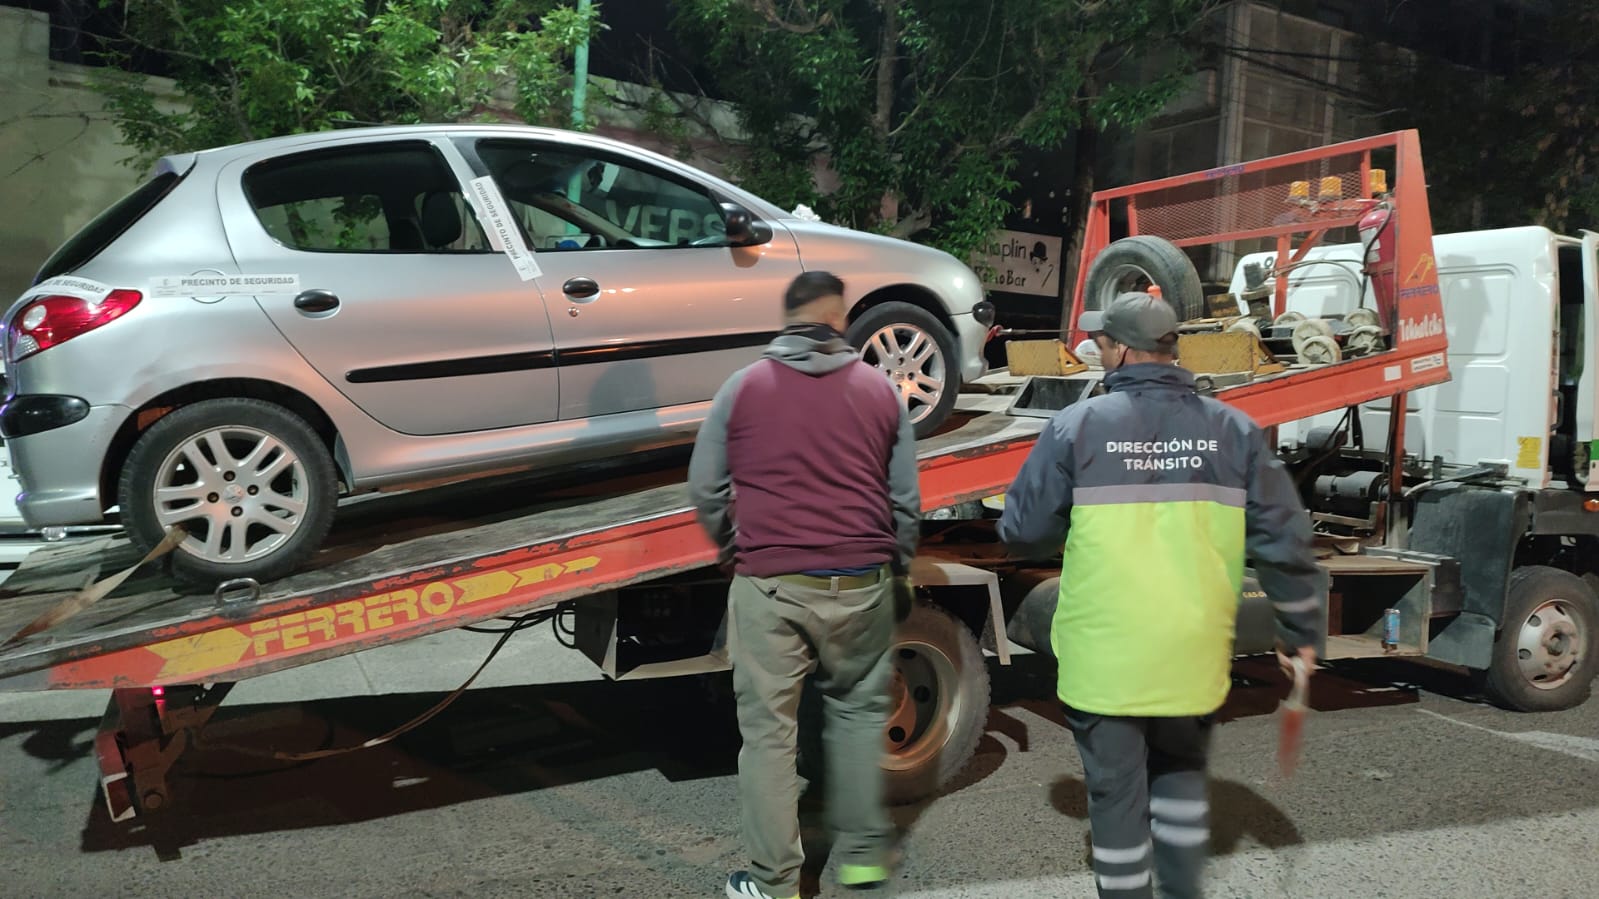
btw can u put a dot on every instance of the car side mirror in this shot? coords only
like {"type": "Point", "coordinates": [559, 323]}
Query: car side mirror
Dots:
{"type": "Point", "coordinates": [743, 228]}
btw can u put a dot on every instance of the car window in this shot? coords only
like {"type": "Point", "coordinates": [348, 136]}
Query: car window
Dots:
{"type": "Point", "coordinates": [370, 198]}
{"type": "Point", "coordinates": [565, 199]}
{"type": "Point", "coordinates": [108, 226]}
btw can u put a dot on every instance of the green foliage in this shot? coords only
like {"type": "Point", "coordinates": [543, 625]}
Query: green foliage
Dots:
{"type": "Point", "coordinates": [922, 106]}
{"type": "Point", "coordinates": [249, 69]}
{"type": "Point", "coordinates": [1506, 151]}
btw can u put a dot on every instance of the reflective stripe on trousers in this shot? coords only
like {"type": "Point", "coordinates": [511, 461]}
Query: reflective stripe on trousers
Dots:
{"type": "Point", "coordinates": [1147, 803]}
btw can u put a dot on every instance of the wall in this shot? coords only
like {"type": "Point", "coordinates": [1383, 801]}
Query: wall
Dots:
{"type": "Point", "coordinates": [60, 156]}
{"type": "Point", "coordinates": [1282, 83]}
{"type": "Point", "coordinates": [1278, 83]}
{"type": "Point", "coordinates": [62, 159]}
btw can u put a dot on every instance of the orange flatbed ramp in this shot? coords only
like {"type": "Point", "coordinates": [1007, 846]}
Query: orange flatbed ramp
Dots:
{"type": "Point", "coordinates": [403, 566]}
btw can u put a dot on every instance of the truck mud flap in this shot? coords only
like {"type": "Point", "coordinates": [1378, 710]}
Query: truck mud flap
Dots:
{"type": "Point", "coordinates": [1481, 528]}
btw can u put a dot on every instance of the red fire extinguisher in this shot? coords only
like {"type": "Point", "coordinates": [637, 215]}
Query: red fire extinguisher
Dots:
{"type": "Point", "coordinates": [1377, 236]}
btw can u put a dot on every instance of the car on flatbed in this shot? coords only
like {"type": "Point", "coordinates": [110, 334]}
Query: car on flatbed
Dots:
{"type": "Point", "coordinates": [261, 328]}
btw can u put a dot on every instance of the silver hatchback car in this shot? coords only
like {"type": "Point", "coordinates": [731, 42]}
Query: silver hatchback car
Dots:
{"type": "Point", "coordinates": [261, 328]}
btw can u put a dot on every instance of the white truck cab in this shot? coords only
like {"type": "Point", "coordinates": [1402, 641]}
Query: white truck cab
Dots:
{"type": "Point", "coordinates": [1499, 474]}
{"type": "Point", "coordinates": [1520, 311]}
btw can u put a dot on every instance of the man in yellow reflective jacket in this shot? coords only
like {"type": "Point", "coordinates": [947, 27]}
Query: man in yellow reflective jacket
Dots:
{"type": "Point", "coordinates": [1158, 496]}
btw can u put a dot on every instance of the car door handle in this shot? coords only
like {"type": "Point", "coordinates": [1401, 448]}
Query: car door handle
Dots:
{"type": "Point", "coordinates": [316, 300]}
{"type": "Point", "coordinates": [580, 289]}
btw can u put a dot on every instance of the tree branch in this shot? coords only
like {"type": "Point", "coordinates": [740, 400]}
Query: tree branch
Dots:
{"type": "Point", "coordinates": [982, 41]}
{"type": "Point", "coordinates": [38, 156]}
{"type": "Point", "coordinates": [918, 220]}
{"type": "Point", "coordinates": [768, 11]}
{"type": "Point", "coordinates": [37, 112]}
{"type": "Point", "coordinates": [688, 107]}
{"type": "Point", "coordinates": [239, 118]}
{"type": "Point", "coordinates": [887, 67]}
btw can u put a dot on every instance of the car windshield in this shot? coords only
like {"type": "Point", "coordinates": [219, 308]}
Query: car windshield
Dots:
{"type": "Point", "coordinates": [565, 198]}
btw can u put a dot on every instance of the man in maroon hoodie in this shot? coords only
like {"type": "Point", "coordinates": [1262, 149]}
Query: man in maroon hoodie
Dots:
{"type": "Point", "coordinates": [814, 448]}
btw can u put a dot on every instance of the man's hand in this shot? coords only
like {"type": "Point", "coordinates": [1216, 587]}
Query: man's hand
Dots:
{"type": "Point", "coordinates": [904, 597]}
{"type": "Point", "coordinates": [1307, 653]}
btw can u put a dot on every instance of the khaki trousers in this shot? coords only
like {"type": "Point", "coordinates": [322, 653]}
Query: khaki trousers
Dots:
{"type": "Point", "coordinates": [778, 632]}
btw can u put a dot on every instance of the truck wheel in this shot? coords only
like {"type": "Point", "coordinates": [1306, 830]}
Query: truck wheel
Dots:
{"type": "Point", "coordinates": [1134, 263]}
{"type": "Point", "coordinates": [938, 704]}
{"type": "Point", "coordinates": [249, 480]}
{"type": "Point", "coordinates": [1543, 658]}
{"type": "Point", "coordinates": [917, 353]}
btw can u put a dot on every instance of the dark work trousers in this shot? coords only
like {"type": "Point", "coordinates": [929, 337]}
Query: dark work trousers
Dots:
{"type": "Point", "coordinates": [1146, 779]}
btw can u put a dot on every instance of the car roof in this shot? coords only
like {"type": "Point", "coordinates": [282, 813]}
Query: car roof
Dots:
{"type": "Point", "coordinates": [334, 135]}
{"type": "Point", "coordinates": [218, 156]}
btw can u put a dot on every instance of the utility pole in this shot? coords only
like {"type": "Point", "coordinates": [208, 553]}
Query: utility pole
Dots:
{"type": "Point", "coordinates": [580, 84]}
{"type": "Point", "coordinates": [580, 72]}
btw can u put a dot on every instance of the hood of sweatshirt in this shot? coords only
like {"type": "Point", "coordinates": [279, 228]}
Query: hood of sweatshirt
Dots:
{"type": "Point", "coordinates": [813, 349]}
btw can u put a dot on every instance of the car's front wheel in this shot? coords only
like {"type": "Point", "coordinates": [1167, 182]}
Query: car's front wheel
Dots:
{"type": "Point", "coordinates": [250, 482]}
{"type": "Point", "coordinates": [917, 353]}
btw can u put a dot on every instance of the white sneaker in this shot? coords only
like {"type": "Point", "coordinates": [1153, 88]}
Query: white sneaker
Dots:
{"type": "Point", "coordinates": [740, 885]}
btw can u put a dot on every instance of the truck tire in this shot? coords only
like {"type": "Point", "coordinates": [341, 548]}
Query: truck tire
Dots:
{"type": "Point", "coordinates": [938, 707]}
{"type": "Point", "coordinates": [273, 495]}
{"type": "Point", "coordinates": [1134, 263]}
{"type": "Point", "coordinates": [918, 354]}
{"type": "Point", "coordinates": [1544, 655]}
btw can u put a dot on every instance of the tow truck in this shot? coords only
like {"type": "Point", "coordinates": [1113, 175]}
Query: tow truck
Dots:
{"type": "Point", "coordinates": [611, 554]}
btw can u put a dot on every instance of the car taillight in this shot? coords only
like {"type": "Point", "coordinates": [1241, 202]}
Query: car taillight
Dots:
{"type": "Point", "coordinates": [52, 320]}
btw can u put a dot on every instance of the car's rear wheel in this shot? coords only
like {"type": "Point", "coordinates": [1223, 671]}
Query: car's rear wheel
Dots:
{"type": "Point", "coordinates": [249, 481]}
{"type": "Point", "coordinates": [917, 353]}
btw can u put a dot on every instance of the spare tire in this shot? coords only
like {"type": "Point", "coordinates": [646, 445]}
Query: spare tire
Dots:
{"type": "Point", "coordinates": [1134, 263]}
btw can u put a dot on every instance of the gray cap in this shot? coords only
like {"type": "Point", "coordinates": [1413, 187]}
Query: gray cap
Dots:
{"type": "Point", "coordinates": [1136, 320]}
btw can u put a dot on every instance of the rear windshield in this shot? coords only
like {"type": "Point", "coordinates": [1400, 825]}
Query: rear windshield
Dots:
{"type": "Point", "coordinates": [108, 226]}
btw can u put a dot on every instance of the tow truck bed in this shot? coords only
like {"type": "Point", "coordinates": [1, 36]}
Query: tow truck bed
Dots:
{"type": "Point", "coordinates": [526, 546]}
{"type": "Point", "coordinates": [393, 571]}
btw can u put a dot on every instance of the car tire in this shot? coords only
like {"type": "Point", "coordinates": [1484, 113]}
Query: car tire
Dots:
{"type": "Point", "coordinates": [890, 336]}
{"type": "Point", "coordinates": [1544, 654]}
{"type": "Point", "coordinates": [1134, 263]}
{"type": "Point", "coordinates": [236, 495]}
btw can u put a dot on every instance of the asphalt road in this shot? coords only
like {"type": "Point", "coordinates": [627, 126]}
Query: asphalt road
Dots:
{"type": "Point", "coordinates": [544, 782]}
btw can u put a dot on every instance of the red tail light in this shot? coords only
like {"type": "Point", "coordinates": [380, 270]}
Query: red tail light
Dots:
{"type": "Point", "coordinates": [52, 320]}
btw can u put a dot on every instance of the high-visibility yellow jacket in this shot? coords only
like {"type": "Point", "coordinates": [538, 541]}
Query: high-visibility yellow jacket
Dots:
{"type": "Point", "coordinates": [1158, 495]}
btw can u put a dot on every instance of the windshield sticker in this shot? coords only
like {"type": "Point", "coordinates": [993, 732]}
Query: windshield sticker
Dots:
{"type": "Point", "coordinates": [82, 288]}
{"type": "Point", "coordinates": [214, 285]}
{"type": "Point", "coordinates": [503, 234]}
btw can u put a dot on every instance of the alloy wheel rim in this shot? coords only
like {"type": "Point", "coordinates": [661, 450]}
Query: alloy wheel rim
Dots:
{"type": "Point", "coordinates": [240, 492]}
{"type": "Point", "coordinates": [914, 363]}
